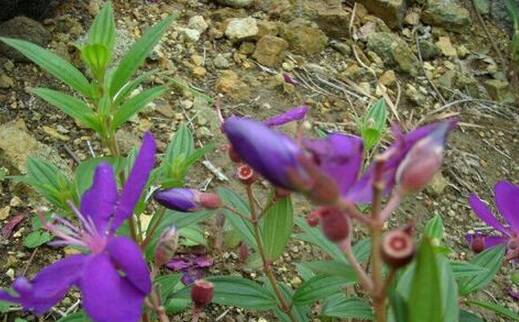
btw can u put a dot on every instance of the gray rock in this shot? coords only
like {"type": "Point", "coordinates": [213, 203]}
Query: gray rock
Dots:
{"type": "Point", "coordinates": [36, 9]}
{"type": "Point", "coordinates": [17, 145]}
{"type": "Point", "coordinates": [428, 50]}
{"type": "Point", "coordinates": [394, 51]}
{"type": "Point", "coordinates": [236, 3]}
{"type": "Point", "coordinates": [198, 23]}
{"type": "Point", "coordinates": [328, 15]}
{"type": "Point", "coordinates": [500, 15]}
{"type": "Point", "coordinates": [391, 11]}
{"type": "Point", "coordinates": [447, 14]}
{"type": "Point", "coordinates": [304, 37]}
{"type": "Point", "coordinates": [242, 29]}
{"type": "Point", "coordinates": [22, 28]}
{"type": "Point", "coordinates": [221, 62]}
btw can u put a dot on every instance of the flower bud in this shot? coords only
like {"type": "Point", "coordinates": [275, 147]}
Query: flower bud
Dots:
{"type": "Point", "coordinates": [202, 293]}
{"type": "Point", "coordinates": [187, 200]}
{"type": "Point", "coordinates": [313, 218]}
{"type": "Point", "coordinates": [422, 161]}
{"type": "Point", "coordinates": [477, 244]}
{"type": "Point", "coordinates": [243, 252]}
{"type": "Point", "coordinates": [398, 248]}
{"type": "Point", "coordinates": [281, 193]}
{"type": "Point", "coordinates": [335, 224]}
{"type": "Point", "coordinates": [245, 174]}
{"type": "Point", "coordinates": [233, 155]}
{"type": "Point", "coordinates": [166, 246]}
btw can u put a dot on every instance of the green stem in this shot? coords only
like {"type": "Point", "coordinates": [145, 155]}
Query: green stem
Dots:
{"type": "Point", "coordinates": [267, 267]}
{"type": "Point", "coordinates": [150, 232]}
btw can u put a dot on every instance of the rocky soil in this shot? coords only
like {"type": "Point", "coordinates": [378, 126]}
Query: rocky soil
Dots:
{"type": "Point", "coordinates": [428, 59]}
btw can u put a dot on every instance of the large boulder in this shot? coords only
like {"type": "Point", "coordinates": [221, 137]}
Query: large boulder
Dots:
{"type": "Point", "coordinates": [22, 28]}
{"type": "Point", "coordinates": [304, 37]}
{"type": "Point", "coordinates": [391, 11]}
{"type": "Point", "coordinates": [447, 14]}
{"type": "Point", "coordinates": [394, 51]}
{"type": "Point", "coordinates": [36, 9]}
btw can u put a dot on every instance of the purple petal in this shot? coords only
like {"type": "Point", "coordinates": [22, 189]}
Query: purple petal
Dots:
{"type": "Point", "coordinates": [178, 264]}
{"type": "Point", "coordinates": [179, 199]}
{"type": "Point", "coordinates": [128, 257]}
{"type": "Point", "coordinates": [490, 241]}
{"type": "Point", "coordinates": [106, 296]}
{"type": "Point", "coordinates": [270, 153]}
{"type": "Point", "coordinates": [340, 157]}
{"type": "Point", "coordinates": [507, 201]}
{"type": "Point", "coordinates": [203, 261]}
{"type": "Point", "coordinates": [189, 276]}
{"type": "Point", "coordinates": [99, 201]}
{"type": "Point", "coordinates": [394, 155]}
{"type": "Point", "coordinates": [481, 209]}
{"type": "Point", "coordinates": [293, 114]}
{"type": "Point", "coordinates": [8, 228]}
{"type": "Point", "coordinates": [136, 181]}
{"type": "Point", "coordinates": [48, 287]}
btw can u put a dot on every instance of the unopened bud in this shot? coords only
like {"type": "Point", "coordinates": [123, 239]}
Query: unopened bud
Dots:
{"type": "Point", "coordinates": [335, 224]}
{"type": "Point", "coordinates": [233, 155]}
{"type": "Point", "coordinates": [398, 248]}
{"type": "Point", "coordinates": [243, 252]}
{"type": "Point", "coordinates": [281, 193]}
{"type": "Point", "coordinates": [477, 244]}
{"type": "Point", "coordinates": [166, 246]}
{"type": "Point", "coordinates": [313, 218]}
{"type": "Point", "coordinates": [209, 200]}
{"type": "Point", "coordinates": [202, 293]}
{"type": "Point", "coordinates": [423, 161]}
{"type": "Point", "coordinates": [323, 190]}
{"type": "Point", "coordinates": [246, 174]}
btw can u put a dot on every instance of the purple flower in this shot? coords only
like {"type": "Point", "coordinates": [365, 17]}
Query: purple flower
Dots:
{"type": "Point", "coordinates": [394, 155]}
{"type": "Point", "coordinates": [507, 201]}
{"type": "Point", "coordinates": [293, 114]}
{"type": "Point", "coordinates": [112, 275]}
{"type": "Point", "coordinates": [187, 200]}
{"type": "Point", "coordinates": [191, 266]}
{"type": "Point", "coordinates": [270, 153]}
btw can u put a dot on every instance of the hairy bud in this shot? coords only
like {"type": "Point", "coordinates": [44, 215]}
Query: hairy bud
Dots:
{"type": "Point", "coordinates": [166, 246]}
{"type": "Point", "coordinates": [246, 174]}
{"type": "Point", "coordinates": [187, 200]}
{"type": "Point", "coordinates": [313, 218]}
{"type": "Point", "coordinates": [398, 248]}
{"type": "Point", "coordinates": [209, 200]}
{"type": "Point", "coordinates": [334, 223]}
{"type": "Point", "coordinates": [477, 244]}
{"type": "Point", "coordinates": [202, 293]}
{"type": "Point", "coordinates": [423, 161]}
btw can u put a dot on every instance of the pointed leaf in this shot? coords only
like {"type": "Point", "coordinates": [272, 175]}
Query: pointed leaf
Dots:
{"type": "Point", "coordinates": [343, 307]}
{"type": "Point", "coordinates": [490, 259]}
{"type": "Point", "coordinates": [102, 30]}
{"type": "Point", "coordinates": [137, 54]}
{"type": "Point", "coordinates": [135, 104]}
{"type": "Point", "coordinates": [277, 227]}
{"type": "Point", "coordinates": [498, 309]}
{"type": "Point", "coordinates": [53, 64]}
{"type": "Point", "coordinates": [318, 288]}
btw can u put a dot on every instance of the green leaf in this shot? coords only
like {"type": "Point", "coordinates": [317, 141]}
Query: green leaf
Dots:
{"type": "Point", "coordinates": [50, 182]}
{"type": "Point", "coordinates": [399, 308]}
{"type": "Point", "coordinates": [466, 316]}
{"type": "Point", "coordinates": [182, 144]}
{"type": "Point", "coordinates": [53, 64]}
{"type": "Point", "coordinates": [299, 312]}
{"type": "Point", "coordinates": [166, 284]}
{"type": "Point", "coordinates": [343, 307]}
{"type": "Point", "coordinates": [277, 226]}
{"type": "Point", "coordinates": [96, 56]}
{"type": "Point", "coordinates": [332, 268]}
{"type": "Point", "coordinates": [84, 174]}
{"type": "Point", "coordinates": [70, 105]}
{"type": "Point", "coordinates": [177, 305]}
{"type": "Point", "coordinates": [449, 291]}
{"type": "Point", "coordinates": [425, 298]}
{"type": "Point", "coordinates": [192, 236]}
{"type": "Point", "coordinates": [102, 30]}
{"type": "Point", "coordinates": [5, 306]}
{"type": "Point", "coordinates": [36, 239]}
{"type": "Point", "coordinates": [241, 292]}
{"type": "Point", "coordinates": [464, 269]}
{"type": "Point", "coordinates": [241, 226]}
{"type": "Point", "coordinates": [137, 54]}
{"type": "Point", "coordinates": [498, 309]}
{"type": "Point", "coordinates": [75, 317]}
{"type": "Point", "coordinates": [373, 124]}
{"type": "Point", "coordinates": [434, 230]}
{"type": "Point", "coordinates": [135, 104]}
{"type": "Point", "coordinates": [490, 259]}
{"type": "Point", "coordinates": [317, 288]}
{"type": "Point", "coordinates": [131, 86]}
{"type": "Point", "coordinates": [314, 236]}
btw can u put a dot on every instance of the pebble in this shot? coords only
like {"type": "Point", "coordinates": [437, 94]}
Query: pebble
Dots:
{"type": "Point", "coordinates": [5, 212]}
{"type": "Point", "coordinates": [221, 62]}
{"type": "Point", "coordinates": [198, 23]}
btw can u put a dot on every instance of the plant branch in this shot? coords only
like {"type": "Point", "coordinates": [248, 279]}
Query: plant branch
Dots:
{"type": "Point", "coordinates": [152, 230]}
{"type": "Point", "coordinates": [267, 267]}
{"type": "Point", "coordinates": [364, 279]}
